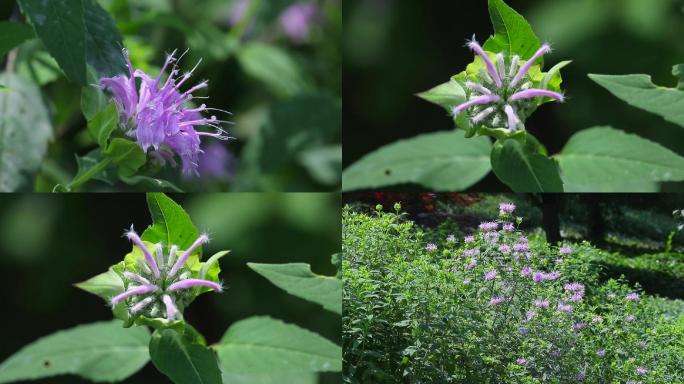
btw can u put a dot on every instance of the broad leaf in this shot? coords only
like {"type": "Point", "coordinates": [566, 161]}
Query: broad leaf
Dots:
{"type": "Point", "coordinates": [126, 154]}
{"type": "Point", "coordinates": [12, 34]}
{"type": "Point", "coordinates": [106, 285]}
{"type": "Point", "coordinates": [170, 223]}
{"type": "Point", "coordinates": [25, 130]}
{"type": "Point", "coordinates": [99, 352]}
{"type": "Point", "coordinates": [297, 279]}
{"type": "Point", "coordinates": [323, 163]}
{"type": "Point", "coordinates": [444, 161]}
{"type": "Point", "coordinates": [678, 71]}
{"type": "Point", "coordinates": [150, 183]}
{"type": "Point", "coordinates": [513, 34]}
{"type": "Point", "coordinates": [265, 345]}
{"type": "Point", "coordinates": [93, 100]}
{"type": "Point", "coordinates": [639, 91]}
{"type": "Point", "coordinates": [274, 67]}
{"type": "Point", "coordinates": [182, 361]}
{"type": "Point", "coordinates": [524, 170]}
{"type": "Point", "coordinates": [103, 124]}
{"type": "Point", "coordinates": [447, 95]}
{"type": "Point", "coordinates": [603, 159]}
{"type": "Point", "coordinates": [270, 378]}
{"type": "Point", "coordinates": [61, 26]}
{"type": "Point", "coordinates": [103, 41]}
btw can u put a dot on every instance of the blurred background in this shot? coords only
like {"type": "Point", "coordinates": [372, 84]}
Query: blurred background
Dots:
{"type": "Point", "coordinates": [50, 242]}
{"type": "Point", "coordinates": [394, 49]}
{"type": "Point", "coordinates": [275, 64]}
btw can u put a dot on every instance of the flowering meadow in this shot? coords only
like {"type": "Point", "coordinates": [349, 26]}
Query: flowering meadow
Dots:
{"type": "Point", "coordinates": [495, 305]}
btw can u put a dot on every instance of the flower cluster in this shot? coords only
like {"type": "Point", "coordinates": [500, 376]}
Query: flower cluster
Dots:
{"type": "Point", "coordinates": [158, 114]}
{"type": "Point", "coordinates": [162, 285]}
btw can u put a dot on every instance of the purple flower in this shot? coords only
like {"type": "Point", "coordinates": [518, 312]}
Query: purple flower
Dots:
{"type": "Point", "coordinates": [523, 239]}
{"type": "Point", "coordinates": [565, 250]}
{"type": "Point", "coordinates": [526, 271]}
{"type": "Point", "coordinates": [469, 239]}
{"type": "Point", "coordinates": [506, 208]}
{"type": "Point", "coordinates": [632, 297]}
{"type": "Point", "coordinates": [491, 275]}
{"type": "Point", "coordinates": [601, 352]}
{"type": "Point", "coordinates": [297, 19]}
{"type": "Point", "coordinates": [521, 247]}
{"type": "Point", "coordinates": [521, 361]}
{"type": "Point", "coordinates": [630, 318]}
{"type": "Point", "coordinates": [238, 10]}
{"type": "Point", "coordinates": [543, 304]}
{"type": "Point", "coordinates": [471, 252]}
{"type": "Point", "coordinates": [505, 249]}
{"type": "Point", "coordinates": [157, 114]}
{"type": "Point", "coordinates": [508, 227]}
{"type": "Point", "coordinates": [156, 284]}
{"type": "Point", "coordinates": [578, 326]}
{"type": "Point", "coordinates": [524, 331]}
{"type": "Point", "coordinates": [431, 247]}
{"type": "Point", "coordinates": [489, 226]}
{"type": "Point", "coordinates": [538, 277]}
{"type": "Point", "coordinates": [466, 281]}
{"type": "Point", "coordinates": [503, 94]}
{"type": "Point", "coordinates": [530, 315]}
{"type": "Point", "coordinates": [562, 307]}
{"type": "Point", "coordinates": [492, 236]}
{"type": "Point", "coordinates": [581, 376]}
{"type": "Point", "coordinates": [217, 161]}
{"type": "Point", "coordinates": [451, 239]}
{"type": "Point", "coordinates": [641, 370]}
{"type": "Point", "coordinates": [496, 300]}
{"type": "Point", "coordinates": [574, 288]}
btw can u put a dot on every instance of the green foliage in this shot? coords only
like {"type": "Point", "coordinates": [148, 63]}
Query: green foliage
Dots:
{"type": "Point", "coordinates": [103, 123]}
{"type": "Point", "coordinates": [12, 34]}
{"type": "Point", "coordinates": [25, 130]}
{"type": "Point", "coordinates": [273, 67]}
{"type": "Point", "coordinates": [639, 91]}
{"type": "Point", "coordinates": [298, 280]}
{"type": "Point", "coordinates": [441, 161]}
{"type": "Point", "coordinates": [512, 33]}
{"type": "Point", "coordinates": [126, 154]}
{"type": "Point", "coordinates": [262, 344]}
{"type": "Point", "coordinates": [170, 223]}
{"type": "Point", "coordinates": [608, 160]}
{"type": "Point", "coordinates": [101, 352]}
{"type": "Point", "coordinates": [446, 95]}
{"type": "Point", "coordinates": [523, 170]}
{"type": "Point", "coordinates": [183, 361]}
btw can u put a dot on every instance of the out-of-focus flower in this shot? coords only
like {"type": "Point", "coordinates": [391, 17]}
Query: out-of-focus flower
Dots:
{"type": "Point", "coordinates": [297, 20]}
{"type": "Point", "coordinates": [506, 208]}
{"type": "Point", "coordinates": [216, 161]}
{"type": "Point", "coordinates": [238, 11]}
{"type": "Point", "coordinates": [431, 247]}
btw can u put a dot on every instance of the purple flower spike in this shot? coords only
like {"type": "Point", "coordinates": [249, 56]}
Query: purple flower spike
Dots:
{"type": "Point", "coordinates": [135, 291]}
{"type": "Point", "coordinates": [475, 46]}
{"type": "Point", "coordinates": [135, 239]}
{"type": "Point", "coordinates": [525, 68]}
{"type": "Point", "coordinates": [532, 93]}
{"type": "Point", "coordinates": [171, 309]}
{"type": "Point", "coordinates": [158, 115]}
{"type": "Point", "coordinates": [485, 99]}
{"type": "Point", "coordinates": [184, 257]}
{"type": "Point", "coordinates": [513, 118]}
{"type": "Point", "coordinates": [190, 283]}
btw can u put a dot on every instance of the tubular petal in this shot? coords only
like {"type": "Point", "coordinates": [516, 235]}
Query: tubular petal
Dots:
{"type": "Point", "coordinates": [135, 239]}
{"type": "Point", "coordinates": [534, 92]}
{"type": "Point", "coordinates": [190, 283]}
{"type": "Point", "coordinates": [525, 68]}
{"type": "Point", "coordinates": [486, 99]}
{"type": "Point", "coordinates": [181, 260]}
{"type": "Point", "coordinates": [140, 290]}
{"type": "Point", "coordinates": [475, 46]}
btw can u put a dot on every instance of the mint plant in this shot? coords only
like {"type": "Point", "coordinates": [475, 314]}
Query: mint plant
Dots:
{"type": "Point", "coordinates": [490, 102]}
{"type": "Point", "coordinates": [150, 289]}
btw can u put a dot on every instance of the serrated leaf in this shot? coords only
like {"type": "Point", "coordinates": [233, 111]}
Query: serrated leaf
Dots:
{"type": "Point", "coordinates": [447, 95]}
{"type": "Point", "coordinates": [13, 34]}
{"type": "Point", "coordinates": [264, 345]}
{"type": "Point", "coordinates": [444, 161]}
{"type": "Point", "coordinates": [639, 91]}
{"type": "Point", "coordinates": [25, 131]}
{"type": "Point", "coordinates": [126, 154]}
{"type": "Point", "coordinates": [603, 159]}
{"type": "Point", "coordinates": [100, 352]}
{"type": "Point", "coordinates": [297, 279]}
{"type": "Point", "coordinates": [513, 34]}
{"type": "Point", "coordinates": [182, 361]}
{"type": "Point", "coordinates": [170, 223]}
{"type": "Point", "coordinates": [103, 124]}
{"type": "Point", "coordinates": [524, 169]}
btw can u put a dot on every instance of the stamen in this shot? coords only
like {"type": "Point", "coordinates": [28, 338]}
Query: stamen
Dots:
{"type": "Point", "coordinates": [525, 68]}
{"type": "Point", "coordinates": [475, 46]}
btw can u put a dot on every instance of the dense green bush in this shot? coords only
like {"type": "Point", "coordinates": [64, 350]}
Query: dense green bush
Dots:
{"type": "Point", "coordinates": [494, 308]}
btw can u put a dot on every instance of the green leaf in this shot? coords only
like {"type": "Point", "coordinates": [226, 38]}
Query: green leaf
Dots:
{"type": "Point", "coordinates": [447, 95]}
{"type": "Point", "coordinates": [93, 163]}
{"type": "Point", "coordinates": [103, 41]}
{"type": "Point", "coordinates": [274, 67]}
{"type": "Point", "coordinates": [13, 34]}
{"type": "Point", "coordinates": [513, 34]}
{"type": "Point", "coordinates": [182, 361]}
{"type": "Point", "coordinates": [443, 161]}
{"type": "Point", "coordinates": [323, 163]}
{"type": "Point", "coordinates": [150, 183]}
{"type": "Point", "coordinates": [103, 124]}
{"type": "Point", "coordinates": [678, 71]}
{"type": "Point", "coordinates": [298, 124]}
{"type": "Point", "coordinates": [170, 223]}
{"type": "Point", "coordinates": [270, 378]}
{"type": "Point", "coordinates": [639, 91]}
{"type": "Point", "coordinates": [61, 26]}
{"type": "Point", "coordinates": [297, 279]}
{"type": "Point", "coordinates": [603, 159]}
{"type": "Point", "coordinates": [524, 170]}
{"type": "Point", "coordinates": [263, 345]}
{"type": "Point", "coordinates": [93, 100]}
{"type": "Point", "coordinates": [105, 285]}
{"type": "Point", "coordinates": [126, 154]}
{"type": "Point", "coordinates": [100, 352]}
{"type": "Point", "coordinates": [25, 130]}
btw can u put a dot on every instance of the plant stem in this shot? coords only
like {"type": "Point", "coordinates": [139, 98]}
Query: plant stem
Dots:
{"type": "Point", "coordinates": [89, 174]}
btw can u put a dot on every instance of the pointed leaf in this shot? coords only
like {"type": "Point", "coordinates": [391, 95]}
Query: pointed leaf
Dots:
{"type": "Point", "coordinates": [639, 91]}
{"type": "Point", "coordinates": [603, 159]}
{"type": "Point", "coordinates": [447, 95]}
{"type": "Point", "coordinates": [513, 34]}
{"type": "Point", "coordinates": [100, 352]}
{"type": "Point", "coordinates": [444, 161]}
{"type": "Point", "coordinates": [297, 279]}
{"type": "Point", "coordinates": [103, 41]}
{"type": "Point", "coordinates": [105, 285]}
{"type": "Point", "coordinates": [182, 361]}
{"type": "Point", "coordinates": [126, 154]}
{"type": "Point", "coordinates": [524, 170]}
{"type": "Point", "coordinates": [262, 345]}
{"type": "Point", "coordinates": [103, 124]}
{"type": "Point", "coordinates": [170, 223]}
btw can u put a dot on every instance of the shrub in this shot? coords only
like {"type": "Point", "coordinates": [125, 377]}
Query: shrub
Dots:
{"type": "Point", "coordinates": [494, 307]}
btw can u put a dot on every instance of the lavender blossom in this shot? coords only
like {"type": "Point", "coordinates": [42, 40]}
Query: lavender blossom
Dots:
{"type": "Point", "coordinates": [565, 250]}
{"type": "Point", "coordinates": [451, 239]}
{"type": "Point", "coordinates": [506, 208]}
{"type": "Point", "coordinates": [469, 239]}
{"type": "Point", "coordinates": [503, 97]}
{"type": "Point", "coordinates": [296, 21]}
{"type": "Point", "coordinates": [158, 283]}
{"type": "Point", "coordinates": [496, 300]}
{"type": "Point", "coordinates": [601, 353]}
{"type": "Point", "coordinates": [508, 227]}
{"type": "Point", "coordinates": [431, 247]}
{"type": "Point", "coordinates": [158, 115]}
{"type": "Point", "coordinates": [491, 275]}
{"type": "Point", "coordinates": [489, 226]}
{"type": "Point", "coordinates": [632, 297]}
